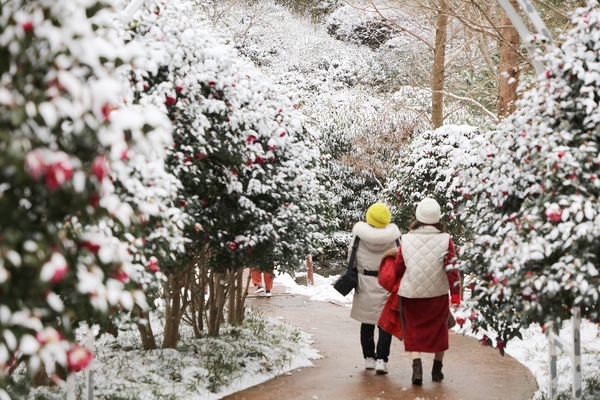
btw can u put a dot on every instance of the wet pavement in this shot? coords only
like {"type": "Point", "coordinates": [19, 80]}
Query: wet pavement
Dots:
{"type": "Point", "coordinates": [472, 371]}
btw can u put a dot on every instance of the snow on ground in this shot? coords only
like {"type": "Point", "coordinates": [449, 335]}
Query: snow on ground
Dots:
{"type": "Point", "coordinates": [206, 368]}
{"type": "Point", "coordinates": [532, 351]}
{"type": "Point", "coordinates": [321, 291]}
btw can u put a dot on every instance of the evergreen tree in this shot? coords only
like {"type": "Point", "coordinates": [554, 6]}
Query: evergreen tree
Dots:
{"type": "Point", "coordinates": [68, 144]}
{"type": "Point", "coordinates": [535, 252]}
{"type": "Point", "coordinates": [428, 167]}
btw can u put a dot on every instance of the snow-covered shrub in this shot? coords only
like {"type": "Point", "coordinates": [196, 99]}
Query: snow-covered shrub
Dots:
{"type": "Point", "coordinates": [69, 143]}
{"type": "Point", "coordinates": [357, 26]}
{"type": "Point", "coordinates": [334, 251]}
{"type": "Point", "coordinates": [362, 142]}
{"type": "Point", "coordinates": [316, 9]}
{"type": "Point", "coordinates": [428, 167]}
{"type": "Point", "coordinates": [535, 252]}
{"type": "Point", "coordinates": [250, 170]}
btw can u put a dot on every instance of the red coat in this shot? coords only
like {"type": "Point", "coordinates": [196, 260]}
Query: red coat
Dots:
{"type": "Point", "coordinates": [389, 278]}
{"type": "Point", "coordinates": [389, 320]}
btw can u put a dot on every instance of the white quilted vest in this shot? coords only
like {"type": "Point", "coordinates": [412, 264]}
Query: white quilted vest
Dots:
{"type": "Point", "coordinates": [423, 251]}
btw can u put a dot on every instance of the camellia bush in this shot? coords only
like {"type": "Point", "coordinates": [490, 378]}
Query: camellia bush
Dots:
{"type": "Point", "coordinates": [70, 187]}
{"type": "Point", "coordinates": [429, 167]}
{"type": "Point", "coordinates": [536, 229]}
{"type": "Point", "coordinates": [250, 171]}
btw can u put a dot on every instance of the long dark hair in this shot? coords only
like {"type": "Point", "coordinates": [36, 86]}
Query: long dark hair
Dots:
{"type": "Point", "coordinates": [440, 226]}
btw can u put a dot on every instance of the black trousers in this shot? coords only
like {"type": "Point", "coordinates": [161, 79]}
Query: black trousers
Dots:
{"type": "Point", "coordinates": [367, 340]}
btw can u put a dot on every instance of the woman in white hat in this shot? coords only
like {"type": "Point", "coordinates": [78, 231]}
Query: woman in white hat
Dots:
{"type": "Point", "coordinates": [377, 236]}
{"type": "Point", "coordinates": [424, 265]}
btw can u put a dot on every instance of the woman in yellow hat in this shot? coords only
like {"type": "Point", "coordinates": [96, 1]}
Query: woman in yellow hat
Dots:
{"type": "Point", "coordinates": [377, 236]}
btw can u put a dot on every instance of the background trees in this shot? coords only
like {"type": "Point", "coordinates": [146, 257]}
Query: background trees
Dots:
{"type": "Point", "coordinates": [429, 167]}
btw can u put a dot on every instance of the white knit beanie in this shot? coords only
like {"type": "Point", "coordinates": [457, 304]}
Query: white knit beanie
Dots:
{"type": "Point", "coordinates": [428, 211]}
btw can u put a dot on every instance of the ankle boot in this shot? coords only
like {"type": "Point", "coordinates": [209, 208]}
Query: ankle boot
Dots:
{"type": "Point", "coordinates": [417, 376]}
{"type": "Point", "coordinates": [436, 371]}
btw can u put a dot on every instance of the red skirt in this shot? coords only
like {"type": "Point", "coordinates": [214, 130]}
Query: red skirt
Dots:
{"type": "Point", "coordinates": [426, 324]}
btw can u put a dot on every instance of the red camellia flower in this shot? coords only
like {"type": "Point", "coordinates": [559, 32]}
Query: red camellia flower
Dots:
{"type": "Point", "coordinates": [560, 154]}
{"type": "Point", "coordinates": [59, 172]}
{"type": "Point", "coordinates": [460, 321]}
{"type": "Point", "coordinates": [232, 245]}
{"type": "Point", "coordinates": [90, 246]}
{"type": "Point", "coordinates": [282, 134]}
{"type": "Point", "coordinates": [121, 276]}
{"type": "Point", "coordinates": [106, 110]}
{"type": "Point", "coordinates": [272, 147]}
{"type": "Point", "coordinates": [59, 273]}
{"type": "Point", "coordinates": [260, 160]}
{"type": "Point", "coordinates": [27, 26]}
{"type": "Point", "coordinates": [100, 167]}
{"type": "Point", "coordinates": [182, 203]}
{"type": "Point", "coordinates": [171, 100]}
{"type": "Point", "coordinates": [94, 200]}
{"type": "Point", "coordinates": [124, 154]}
{"type": "Point", "coordinates": [200, 155]}
{"type": "Point", "coordinates": [554, 213]}
{"type": "Point", "coordinates": [484, 340]}
{"type": "Point", "coordinates": [251, 139]}
{"type": "Point", "coordinates": [500, 344]}
{"type": "Point", "coordinates": [152, 264]}
{"type": "Point", "coordinates": [178, 88]}
{"type": "Point", "coordinates": [466, 195]}
{"type": "Point", "coordinates": [78, 358]}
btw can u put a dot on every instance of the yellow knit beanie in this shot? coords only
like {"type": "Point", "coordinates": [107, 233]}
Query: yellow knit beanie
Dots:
{"type": "Point", "coordinates": [378, 215]}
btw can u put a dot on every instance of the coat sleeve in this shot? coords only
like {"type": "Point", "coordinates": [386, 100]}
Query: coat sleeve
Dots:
{"type": "Point", "coordinates": [387, 276]}
{"type": "Point", "coordinates": [350, 248]}
{"type": "Point", "coordinates": [452, 273]}
{"type": "Point", "coordinates": [399, 265]}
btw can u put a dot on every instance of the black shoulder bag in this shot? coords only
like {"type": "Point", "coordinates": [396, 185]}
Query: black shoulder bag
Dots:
{"type": "Point", "coordinates": [349, 279]}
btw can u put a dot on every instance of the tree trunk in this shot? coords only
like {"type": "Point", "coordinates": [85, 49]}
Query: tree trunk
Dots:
{"type": "Point", "coordinates": [217, 296]}
{"type": "Point", "coordinates": [439, 61]}
{"type": "Point", "coordinates": [173, 311]}
{"type": "Point", "coordinates": [509, 65]}
{"type": "Point", "coordinates": [237, 297]}
{"type": "Point", "coordinates": [145, 330]}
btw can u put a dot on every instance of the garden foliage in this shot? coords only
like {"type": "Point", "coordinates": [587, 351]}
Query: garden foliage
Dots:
{"type": "Point", "coordinates": [536, 227]}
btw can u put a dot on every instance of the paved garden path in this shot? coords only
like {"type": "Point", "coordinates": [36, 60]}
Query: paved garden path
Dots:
{"type": "Point", "coordinates": [472, 372]}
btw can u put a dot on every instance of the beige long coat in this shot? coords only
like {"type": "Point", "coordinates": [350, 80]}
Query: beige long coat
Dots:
{"type": "Point", "coordinates": [370, 298]}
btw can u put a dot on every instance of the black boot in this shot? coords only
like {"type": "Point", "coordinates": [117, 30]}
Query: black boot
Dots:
{"type": "Point", "coordinates": [417, 377]}
{"type": "Point", "coordinates": [436, 371]}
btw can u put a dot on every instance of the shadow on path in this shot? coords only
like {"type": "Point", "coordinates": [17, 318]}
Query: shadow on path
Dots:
{"type": "Point", "coordinates": [472, 371]}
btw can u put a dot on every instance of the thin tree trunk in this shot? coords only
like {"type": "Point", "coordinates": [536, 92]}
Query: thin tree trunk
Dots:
{"type": "Point", "coordinates": [148, 341]}
{"type": "Point", "coordinates": [173, 311]}
{"type": "Point", "coordinates": [509, 66]}
{"type": "Point", "coordinates": [216, 301]}
{"type": "Point", "coordinates": [237, 297]}
{"type": "Point", "coordinates": [439, 61]}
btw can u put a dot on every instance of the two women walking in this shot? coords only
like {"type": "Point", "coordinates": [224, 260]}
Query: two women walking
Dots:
{"type": "Point", "coordinates": [422, 272]}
